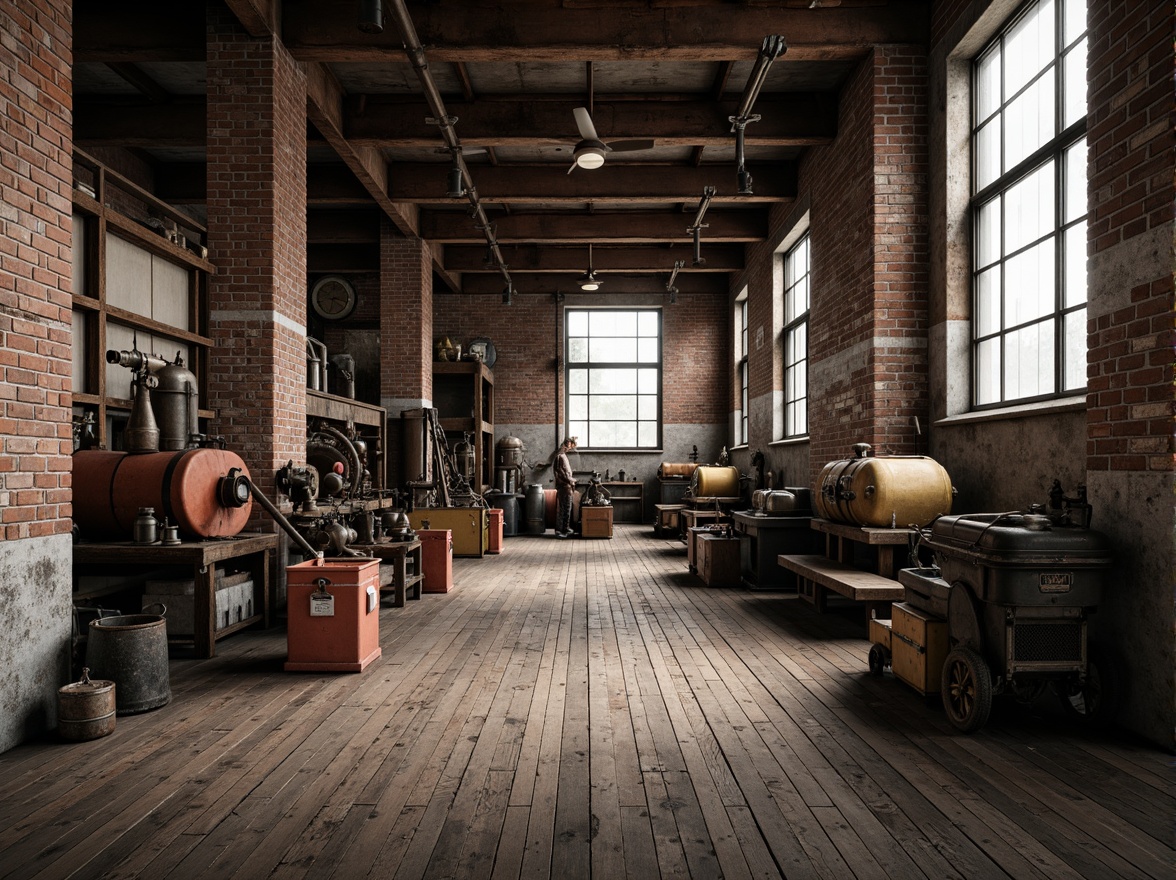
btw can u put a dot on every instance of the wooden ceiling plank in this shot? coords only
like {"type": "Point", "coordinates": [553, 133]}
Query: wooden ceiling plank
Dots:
{"type": "Point", "coordinates": [686, 282]}
{"type": "Point", "coordinates": [637, 227]}
{"type": "Point", "coordinates": [260, 18]}
{"type": "Point", "coordinates": [326, 31]}
{"type": "Point", "coordinates": [618, 184]}
{"type": "Point", "coordinates": [797, 119]}
{"type": "Point", "coordinates": [526, 258]}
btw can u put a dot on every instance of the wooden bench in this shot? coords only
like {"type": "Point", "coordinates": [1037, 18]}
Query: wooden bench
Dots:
{"type": "Point", "coordinates": [818, 576]}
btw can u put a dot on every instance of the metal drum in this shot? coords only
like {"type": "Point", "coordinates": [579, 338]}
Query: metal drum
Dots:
{"type": "Point", "coordinates": [131, 651]}
{"type": "Point", "coordinates": [710, 481]}
{"type": "Point", "coordinates": [110, 487]}
{"type": "Point", "coordinates": [534, 505]}
{"type": "Point", "coordinates": [676, 470]}
{"type": "Point", "coordinates": [85, 709]}
{"type": "Point", "coordinates": [508, 503]}
{"type": "Point", "coordinates": [900, 491]}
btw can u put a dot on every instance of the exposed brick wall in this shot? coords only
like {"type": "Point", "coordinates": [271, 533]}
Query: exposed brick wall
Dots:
{"type": "Point", "coordinates": [257, 240]}
{"type": "Point", "coordinates": [696, 330]}
{"type": "Point", "coordinates": [36, 144]}
{"type": "Point", "coordinates": [406, 317]}
{"type": "Point", "coordinates": [868, 227]}
{"type": "Point", "coordinates": [901, 248]}
{"type": "Point", "coordinates": [1130, 377]}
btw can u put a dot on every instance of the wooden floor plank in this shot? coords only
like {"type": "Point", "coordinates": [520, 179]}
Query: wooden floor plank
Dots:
{"type": "Point", "coordinates": [582, 709]}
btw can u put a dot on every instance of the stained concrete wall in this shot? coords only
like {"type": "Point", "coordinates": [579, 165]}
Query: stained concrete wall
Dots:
{"type": "Point", "coordinates": [36, 607]}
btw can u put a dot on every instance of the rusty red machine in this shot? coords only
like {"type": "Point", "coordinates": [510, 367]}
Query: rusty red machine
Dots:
{"type": "Point", "coordinates": [1005, 604]}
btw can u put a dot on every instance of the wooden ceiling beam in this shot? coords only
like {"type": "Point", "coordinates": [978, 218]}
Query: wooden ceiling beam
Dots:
{"type": "Point", "coordinates": [686, 282]}
{"type": "Point", "coordinates": [139, 30]}
{"type": "Point", "coordinates": [527, 258]}
{"type": "Point", "coordinates": [638, 227]}
{"type": "Point", "coordinates": [424, 184]}
{"type": "Point", "coordinates": [325, 30]}
{"type": "Point", "coordinates": [324, 100]}
{"type": "Point", "coordinates": [798, 119]}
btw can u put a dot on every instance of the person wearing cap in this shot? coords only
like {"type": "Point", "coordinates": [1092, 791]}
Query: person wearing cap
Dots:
{"type": "Point", "coordinates": [565, 487]}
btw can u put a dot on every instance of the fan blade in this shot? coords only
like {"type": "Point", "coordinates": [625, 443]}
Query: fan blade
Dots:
{"type": "Point", "coordinates": [573, 168]}
{"type": "Point", "coordinates": [584, 123]}
{"type": "Point", "coordinates": [630, 146]}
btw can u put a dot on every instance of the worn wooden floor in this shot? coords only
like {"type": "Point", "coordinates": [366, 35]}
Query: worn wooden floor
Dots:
{"type": "Point", "coordinates": [575, 709]}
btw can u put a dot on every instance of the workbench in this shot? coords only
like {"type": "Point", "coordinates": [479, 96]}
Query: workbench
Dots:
{"type": "Point", "coordinates": [253, 552]}
{"type": "Point", "coordinates": [401, 570]}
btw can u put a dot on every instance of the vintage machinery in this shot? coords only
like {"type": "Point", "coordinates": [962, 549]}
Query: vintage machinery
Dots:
{"type": "Point", "coordinates": [165, 414]}
{"type": "Point", "coordinates": [1014, 590]}
{"type": "Point", "coordinates": [891, 491]}
{"type": "Point", "coordinates": [192, 488]}
{"type": "Point", "coordinates": [596, 495]}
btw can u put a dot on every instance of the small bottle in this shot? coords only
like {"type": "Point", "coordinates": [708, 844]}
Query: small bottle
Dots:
{"type": "Point", "coordinates": [146, 526]}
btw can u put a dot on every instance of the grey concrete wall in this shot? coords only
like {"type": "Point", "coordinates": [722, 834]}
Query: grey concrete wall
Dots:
{"type": "Point", "coordinates": [36, 609]}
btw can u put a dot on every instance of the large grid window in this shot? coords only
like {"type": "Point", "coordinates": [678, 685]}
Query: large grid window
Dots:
{"type": "Point", "coordinates": [613, 377]}
{"type": "Point", "coordinates": [741, 373]}
{"type": "Point", "coordinates": [795, 333]}
{"type": "Point", "coordinates": [1029, 207]}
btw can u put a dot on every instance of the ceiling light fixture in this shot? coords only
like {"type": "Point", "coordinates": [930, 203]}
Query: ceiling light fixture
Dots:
{"type": "Point", "coordinates": [371, 16]}
{"type": "Point", "coordinates": [589, 155]}
{"type": "Point", "coordinates": [773, 47]}
{"type": "Point", "coordinates": [589, 281]}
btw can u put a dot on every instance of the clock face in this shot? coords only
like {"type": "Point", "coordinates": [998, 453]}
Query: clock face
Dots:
{"type": "Point", "coordinates": [332, 298]}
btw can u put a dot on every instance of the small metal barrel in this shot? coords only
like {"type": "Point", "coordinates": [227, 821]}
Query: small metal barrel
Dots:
{"type": "Point", "coordinates": [131, 651]}
{"type": "Point", "coordinates": [86, 709]}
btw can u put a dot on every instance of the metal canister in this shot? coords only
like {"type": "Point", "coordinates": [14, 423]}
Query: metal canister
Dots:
{"type": "Point", "coordinates": [900, 490]}
{"type": "Point", "coordinates": [715, 482]}
{"type": "Point", "coordinates": [131, 650]}
{"type": "Point", "coordinates": [146, 526]}
{"type": "Point", "coordinates": [534, 507]}
{"type": "Point", "coordinates": [86, 709]}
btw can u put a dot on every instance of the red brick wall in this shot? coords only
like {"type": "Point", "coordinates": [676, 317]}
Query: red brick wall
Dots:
{"type": "Point", "coordinates": [697, 347]}
{"type": "Point", "coordinates": [36, 144]}
{"type": "Point", "coordinates": [868, 193]}
{"type": "Point", "coordinates": [257, 240]}
{"type": "Point", "coordinates": [1129, 389]}
{"type": "Point", "coordinates": [406, 317]}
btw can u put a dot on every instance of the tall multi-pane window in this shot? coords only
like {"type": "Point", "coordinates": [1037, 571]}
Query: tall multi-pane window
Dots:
{"type": "Point", "coordinates": [1029, 207]}
{"type": "Point", "coordinates": [613, 377]}
{"type": "Point", "coordinates": [795, 333]}
{"type": "Point", "coordinates": [741, 376]}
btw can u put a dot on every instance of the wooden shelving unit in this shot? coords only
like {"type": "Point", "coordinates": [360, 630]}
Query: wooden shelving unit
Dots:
{"type": "Point", "coordinates": [463, 394]}
{"type": "Point", "coordinates": [628, 498]}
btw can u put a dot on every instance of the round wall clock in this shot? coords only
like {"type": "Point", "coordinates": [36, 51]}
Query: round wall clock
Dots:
{"type": "Point", "coordinates": [332, 297]}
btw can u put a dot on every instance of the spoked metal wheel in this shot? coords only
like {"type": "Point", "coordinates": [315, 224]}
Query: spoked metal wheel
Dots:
{"type": "Point", "coordinates": [966, 687]}
{"type": "Point", "coordinates": [879, 659]}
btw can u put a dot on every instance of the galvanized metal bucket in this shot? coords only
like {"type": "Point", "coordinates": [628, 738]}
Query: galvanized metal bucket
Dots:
{"type": "Point", "coordinates": [85, 709]}
{"type": "Point", "coordinates": [131, 651]}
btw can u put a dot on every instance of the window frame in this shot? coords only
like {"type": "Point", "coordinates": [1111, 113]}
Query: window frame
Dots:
{"type": "Point", "coordinates": [742, 371]}
{"type": "Point", "coordinates": [585, 437]}
{"type": "Point", "coordinates": [786, 329]}
{"type": "Point", "coordinates": [1054, 150]}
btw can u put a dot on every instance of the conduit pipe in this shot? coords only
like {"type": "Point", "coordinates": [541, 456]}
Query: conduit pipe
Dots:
{"type": "Point", "coordinates": [416, 57]}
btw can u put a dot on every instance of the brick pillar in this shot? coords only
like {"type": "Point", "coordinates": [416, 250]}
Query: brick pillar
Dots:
{"type": "Point", "coordinates": [36, 182]}
{"type": "Point", "coordinates": [406, 322]}
{"type": "Point", "coordinates": [257, 241]}
{"type": "Point", "coordinates": [1129, 437]}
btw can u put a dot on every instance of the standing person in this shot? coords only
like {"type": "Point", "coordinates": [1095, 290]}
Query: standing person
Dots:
{"type": "Point", "coordinates": [565, 486]}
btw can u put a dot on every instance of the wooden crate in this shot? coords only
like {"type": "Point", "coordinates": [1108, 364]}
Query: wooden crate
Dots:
{"type": "Point", "coordinates": [918, 647]}
{"type": "Point", "coordinates": [718, 560]}
{"type": "Point", "coordinates": [596, 522]}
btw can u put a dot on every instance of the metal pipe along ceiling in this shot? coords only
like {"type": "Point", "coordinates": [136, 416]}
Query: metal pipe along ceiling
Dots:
{"type": "Point", "coordinates": [416, 57]}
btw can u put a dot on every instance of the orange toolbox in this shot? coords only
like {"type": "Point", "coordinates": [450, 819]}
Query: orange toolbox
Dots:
{"type": "Point", "coordinates": [333, 615]}
{"type": "Point", "coordinates": [436, 559]}
{"type": "Point", "coordinates": [497, 524]}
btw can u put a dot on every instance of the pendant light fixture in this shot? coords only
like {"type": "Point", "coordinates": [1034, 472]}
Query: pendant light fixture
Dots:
{"type": "Point", "coordinates": [589, 281]}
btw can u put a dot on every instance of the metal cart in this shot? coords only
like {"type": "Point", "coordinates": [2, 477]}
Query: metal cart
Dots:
{"type": "Point", "coordinates": [1015, 590]}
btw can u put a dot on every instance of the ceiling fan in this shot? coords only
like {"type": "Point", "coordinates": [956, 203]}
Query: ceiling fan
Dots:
{"type": "Point", "coordinates": [589, 153]}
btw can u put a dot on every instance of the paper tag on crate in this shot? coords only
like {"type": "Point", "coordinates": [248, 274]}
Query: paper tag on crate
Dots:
{"type": "Point", "coordinates": [322, 605]}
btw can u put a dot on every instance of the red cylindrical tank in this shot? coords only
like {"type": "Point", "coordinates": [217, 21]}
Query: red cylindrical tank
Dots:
{"type": "Point", "coordinates": [110, 487]}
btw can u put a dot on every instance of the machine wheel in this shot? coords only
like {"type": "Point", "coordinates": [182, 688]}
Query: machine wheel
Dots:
{"type": "Point", "coordinates": [879, 659]}
{"type": "Point", "coordinates": [966, 686]}
{"type": "Point", "coordinates": [1096, 701]}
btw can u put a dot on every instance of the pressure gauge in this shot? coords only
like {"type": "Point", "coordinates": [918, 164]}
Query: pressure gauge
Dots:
{"type": "Point", "coordinates": [332, 297]}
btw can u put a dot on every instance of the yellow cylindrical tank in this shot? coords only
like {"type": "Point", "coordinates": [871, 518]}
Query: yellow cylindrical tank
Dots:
{"type": "Point", "coordinates": [900, 491]}
{"type": "Point", "coordinates": [710, 481]}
